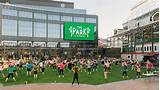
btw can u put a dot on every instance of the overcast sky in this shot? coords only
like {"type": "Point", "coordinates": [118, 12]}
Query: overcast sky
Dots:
{"type": "Point", "coordinates": [111, 13]}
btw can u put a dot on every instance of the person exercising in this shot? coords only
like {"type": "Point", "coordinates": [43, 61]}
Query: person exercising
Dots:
{"type": "Point", "coordinates": [75, 70]}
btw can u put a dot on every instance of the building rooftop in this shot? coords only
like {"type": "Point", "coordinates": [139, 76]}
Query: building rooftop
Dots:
{"type": "Point", "coordinates": [51, 3]}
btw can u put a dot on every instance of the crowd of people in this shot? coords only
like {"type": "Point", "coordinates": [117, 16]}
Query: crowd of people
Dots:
{"type": "Point", "coordinates": [33, 66]}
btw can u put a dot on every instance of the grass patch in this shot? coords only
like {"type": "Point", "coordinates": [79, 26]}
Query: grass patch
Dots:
{"type": "Point", "coordinates": [51, 76]}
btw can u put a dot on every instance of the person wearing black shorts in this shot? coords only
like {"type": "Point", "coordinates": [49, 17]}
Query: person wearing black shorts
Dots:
{"type": "Point", "coordinates": [10, 74]}
{"type": "Point", "coordinates": [29, 67]}
{"type": "Point", "coordinates": [70, 65]}
{"type": "Point", "coordinates": [35, 71]}
{"type": "Point", "coordinates": [124, 69]}
{"type": "Point", "coordinates": [54, 66]}
{"type": "Point", "coordinates": [15, 70]}
{"type": "Point", "coordinates": [42, 67]}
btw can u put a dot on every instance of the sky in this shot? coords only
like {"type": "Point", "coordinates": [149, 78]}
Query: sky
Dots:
{"type": "Point", "coordinates": [111, 13]}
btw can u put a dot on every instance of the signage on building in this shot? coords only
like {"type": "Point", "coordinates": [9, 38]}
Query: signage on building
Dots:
{"type": "Point", "coordinates": [52, 44]}
{"type": "Point", "coordinates": [24, 43]}
{"type": "Point", "coordinates": [78, 31]}
{"type": "Point", "coordinates": [9, 43]}
{"type": "Point", "coordinates": [39, 44]}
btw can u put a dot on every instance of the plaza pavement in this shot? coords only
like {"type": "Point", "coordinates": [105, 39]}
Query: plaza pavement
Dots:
{"type": "Point", "coordinates": [139, 84]}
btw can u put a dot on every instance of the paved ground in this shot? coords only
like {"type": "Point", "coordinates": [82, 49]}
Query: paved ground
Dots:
{"type": "Point", "coordinates": [123, 85]}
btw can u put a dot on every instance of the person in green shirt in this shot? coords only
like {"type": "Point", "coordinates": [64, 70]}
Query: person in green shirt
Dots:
{"type": "Point", "coordinates": [10, 73]}
{"type": "Point", "coordinates": [75, 70]}
{"type": "Point", "coordinates": [15, 70]}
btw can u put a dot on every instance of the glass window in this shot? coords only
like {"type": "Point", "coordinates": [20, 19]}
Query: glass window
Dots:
{"type": "Point", "coordinates": [54, 17]}
{"type": "Point", "coordinates": [9, 12]}
{"type": "Point", "coordinates": [91, 20]}
{"type": "Point", "coordinates": [144, 48]}
{"type": "Point", "coordinates": [53, 30]}
{"type": "Point", "coordinates": [39, 29]}
{"type": "Point", "coordinates": [9, 27]}
{"type": "Point", "coordinates": [147, 48]}
{"type": "Point", "coordinates": [39, 16]}
{"type": "Point", "coordinates": [78, 19]}
{"type": "Point", "coordinates": [66, 18]}
{"type": "Point", "coordinates": [54, 9]}
{"type": "Point", "coordinates": [155, 48]}
{"type": "Point", "coordinates": [25, 28]}
{"type": "Point", "coordinates": [25, 14]}
{"type": "Point", "coordinates": [150, 48]}
{"type": "Point", "coordinates": [61, 30]}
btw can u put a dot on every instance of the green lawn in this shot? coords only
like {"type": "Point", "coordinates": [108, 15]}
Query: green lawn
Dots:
{"type": "Point", "coordinates": [52, 77]}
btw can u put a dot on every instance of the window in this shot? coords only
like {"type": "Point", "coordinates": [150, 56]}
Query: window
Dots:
{"type": "Point", "coordinates": [147, 48]}
{"type": "Point", "coordinates": [144, 48]}
{"type": "Point", "coordinates": [78, 19]}
{"type": "Point", "coordinates": [25, 14]}
{"type": "Point", "coordinates": [9, 12]}
{"type": "Point", "coordinates": [53, 30]}
{"type": "Point", "coordinates": [140, 48]}
{"type": "Point", "coordinates": [61, 30]}
{"type": "Point", "coordinates": [91, 20]}
{"type": "Point", "coordinates": [25, 28]}
{"type": "Point", "coordinates": [39, 29]}
{"type": "Point", "coordinates": [9, 27]}
{"type": "Point", "coordinates": [66, 18]}
{"type": "Point", "coordinates": [39, 16]}
{"type": "Point", "coordinates": [54, 17]}
{"type": "Point", "coordinates": [155, 48]}
{"type": "Point", "coordinates": [150, 48]}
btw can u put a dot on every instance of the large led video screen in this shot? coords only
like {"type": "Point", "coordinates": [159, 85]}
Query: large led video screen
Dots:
{"type": "Point", "coordinates": [78, 31]}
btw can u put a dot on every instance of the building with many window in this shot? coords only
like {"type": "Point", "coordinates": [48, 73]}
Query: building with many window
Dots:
{"type": "Point", "coordinates": [29, 24]}
{"type": "Point", "coordinates": [140, 41]}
